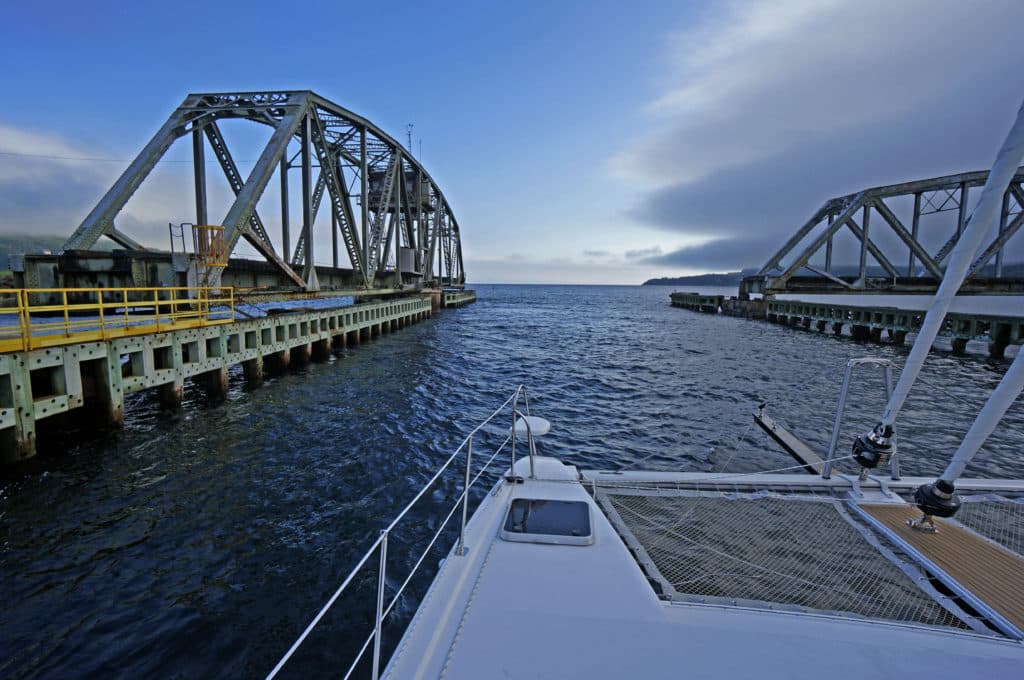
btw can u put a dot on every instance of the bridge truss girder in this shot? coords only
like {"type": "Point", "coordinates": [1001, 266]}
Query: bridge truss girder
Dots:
{"type": "Point", "coordinates": [859, 213]}
{"type": "Point", "coordinates": [382, 200]}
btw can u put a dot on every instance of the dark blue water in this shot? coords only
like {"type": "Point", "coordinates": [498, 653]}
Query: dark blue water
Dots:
{"type": "Point", "coordinates": [201, 542]}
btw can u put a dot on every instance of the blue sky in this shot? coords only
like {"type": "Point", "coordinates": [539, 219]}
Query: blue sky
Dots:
{"type": "Point", "coordinates": [576, 141]}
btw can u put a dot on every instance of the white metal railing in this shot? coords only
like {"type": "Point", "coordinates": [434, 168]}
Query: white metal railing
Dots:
{"type": "Point", "coordinates": [887, 366]}
{"type": "Point", "coordinates": [381, 544]}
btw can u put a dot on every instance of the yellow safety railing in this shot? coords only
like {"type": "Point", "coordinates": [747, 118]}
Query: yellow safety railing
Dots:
{"type": "Point", "coordinates": [31, 318]}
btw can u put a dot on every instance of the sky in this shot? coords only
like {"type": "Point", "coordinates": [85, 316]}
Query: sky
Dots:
{"type": "Point", "coordinates": [577, 142]}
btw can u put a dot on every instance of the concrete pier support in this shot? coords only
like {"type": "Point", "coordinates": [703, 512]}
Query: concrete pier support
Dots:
{"type": "Point", "coordinates": [171, 394]}
{"type": "Point", "coordinates": [340, 341]}
{"type": "Point", "coordinates": [867, 322]}
{"type": "Point", "coordinates": [102, 391]}
{"type": "Point", "coordinates": [253, 370]}
{"type": "Point", "coordinates": [322, 350]}
{"type": "Point", "coordinates": [820, 325]}
{"type": "Point", "coordinates": [435, 301]}
{"type": "Point", "coordinates": [277, 362]}
{"type": "Point", "coordinates": [301, 354]}
{"type": "Point", "coordinates": [806, 322]}
{"type": "Point", "coordinates": [19, 442]}
{"type": "Point", "coordinates": [215, 383]}
{"type": "Point", "coordinates": [1000, 338]}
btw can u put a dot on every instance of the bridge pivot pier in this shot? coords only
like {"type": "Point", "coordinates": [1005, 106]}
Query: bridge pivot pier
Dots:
{"type": "Point", "coordinates": [696, 302]}
{"type": "Point", "coordinates": [867, 323]}
{"type": "Point", "coordinates": [457, 298]}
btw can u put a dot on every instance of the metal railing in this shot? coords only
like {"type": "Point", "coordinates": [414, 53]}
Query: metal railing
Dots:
{"type": "Point", "coordinates": [381, 544]}
{"type": "Point", "coordinates": [209, 247]}
{"type": "Point", "coordinates": [31, 318]}
{"type": "Point", "coordinates": [887, 366]}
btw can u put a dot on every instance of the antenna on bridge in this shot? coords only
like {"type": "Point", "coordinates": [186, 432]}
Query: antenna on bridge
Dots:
{"type": "Point", "coordinates": [408, 134]}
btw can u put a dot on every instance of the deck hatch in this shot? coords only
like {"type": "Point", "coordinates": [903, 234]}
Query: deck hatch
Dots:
{"type": "Point", "coordinates": [537, 520]}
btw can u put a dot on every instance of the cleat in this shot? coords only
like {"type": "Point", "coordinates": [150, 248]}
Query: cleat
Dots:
{"type": "Point", "coordinates": [925, 524]}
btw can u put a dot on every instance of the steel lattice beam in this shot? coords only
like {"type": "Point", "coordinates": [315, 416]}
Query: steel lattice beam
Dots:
{"type": "Point", "coordinates": [930, 196]}
{"type": "Point", "coordinates": [344, 145]}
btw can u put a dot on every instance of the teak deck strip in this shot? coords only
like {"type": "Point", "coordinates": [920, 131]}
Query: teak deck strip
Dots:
{"type": "Point", "coordinates": [994, 575]}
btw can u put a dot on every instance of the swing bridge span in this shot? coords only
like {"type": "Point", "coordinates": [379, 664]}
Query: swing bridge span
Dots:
{"type": "Point", "coordinates": [87, 325]}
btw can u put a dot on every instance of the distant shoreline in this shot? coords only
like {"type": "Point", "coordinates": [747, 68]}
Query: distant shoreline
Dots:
{"type": "Point", "coordinates": [726, 279]}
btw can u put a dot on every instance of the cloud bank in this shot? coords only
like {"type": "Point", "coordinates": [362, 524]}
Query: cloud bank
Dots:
{"type": "Point", "coordinates": [771, 108]}
{"type": "Point", "coordinates": [42, 187]}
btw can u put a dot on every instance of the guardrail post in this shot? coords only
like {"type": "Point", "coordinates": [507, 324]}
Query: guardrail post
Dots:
{"type": "Point", "coordinates": [103, 324]}
{"type": "Point", "coordinates": [156, 308]}
{"type": "Point", "coordinates": [67, 321]}
{"type": "Point", "coordinates": [465, 500]}
{"type": "Point", "coordinates": [124, 301]}
{"type": "Point", "coordinates": [515, 411]}
{"type": "Point", "coordinates": [840, 407]}
{"type": "Point", "coordinates": [380, 603]}
{"type": "Point", "coordinates": [894, 462]}
{"type": "Point", "coordinates": [26, 320]}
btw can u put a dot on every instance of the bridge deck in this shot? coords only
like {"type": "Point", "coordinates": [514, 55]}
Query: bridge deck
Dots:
{"type": "Point", "coordinates": [83, 370]}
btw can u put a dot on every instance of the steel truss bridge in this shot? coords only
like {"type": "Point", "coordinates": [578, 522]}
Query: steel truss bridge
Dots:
{"type": "Point", "coordinates": [810, 268]}
{"type": "Point", "coordinates": [391, 227]}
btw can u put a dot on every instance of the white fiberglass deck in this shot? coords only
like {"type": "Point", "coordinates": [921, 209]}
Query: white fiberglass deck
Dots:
{"type": "Point", "coordinates": [520, 610]}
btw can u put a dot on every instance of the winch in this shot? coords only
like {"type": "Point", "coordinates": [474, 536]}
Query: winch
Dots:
{"type": "Point", "coordinates": [873, 449]}
{"type": "Point", "coordinates": [934, 500]}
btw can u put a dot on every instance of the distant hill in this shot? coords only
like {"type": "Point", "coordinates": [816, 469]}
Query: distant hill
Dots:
{"type": "Point", "coordinates": [12, 244]}
{"type": "Point", "coordinates": [1010, 270]}
{"type": "Point", "coordinates": [726, 279]}
{"type": "Point", "coordinates": [26, 243]}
